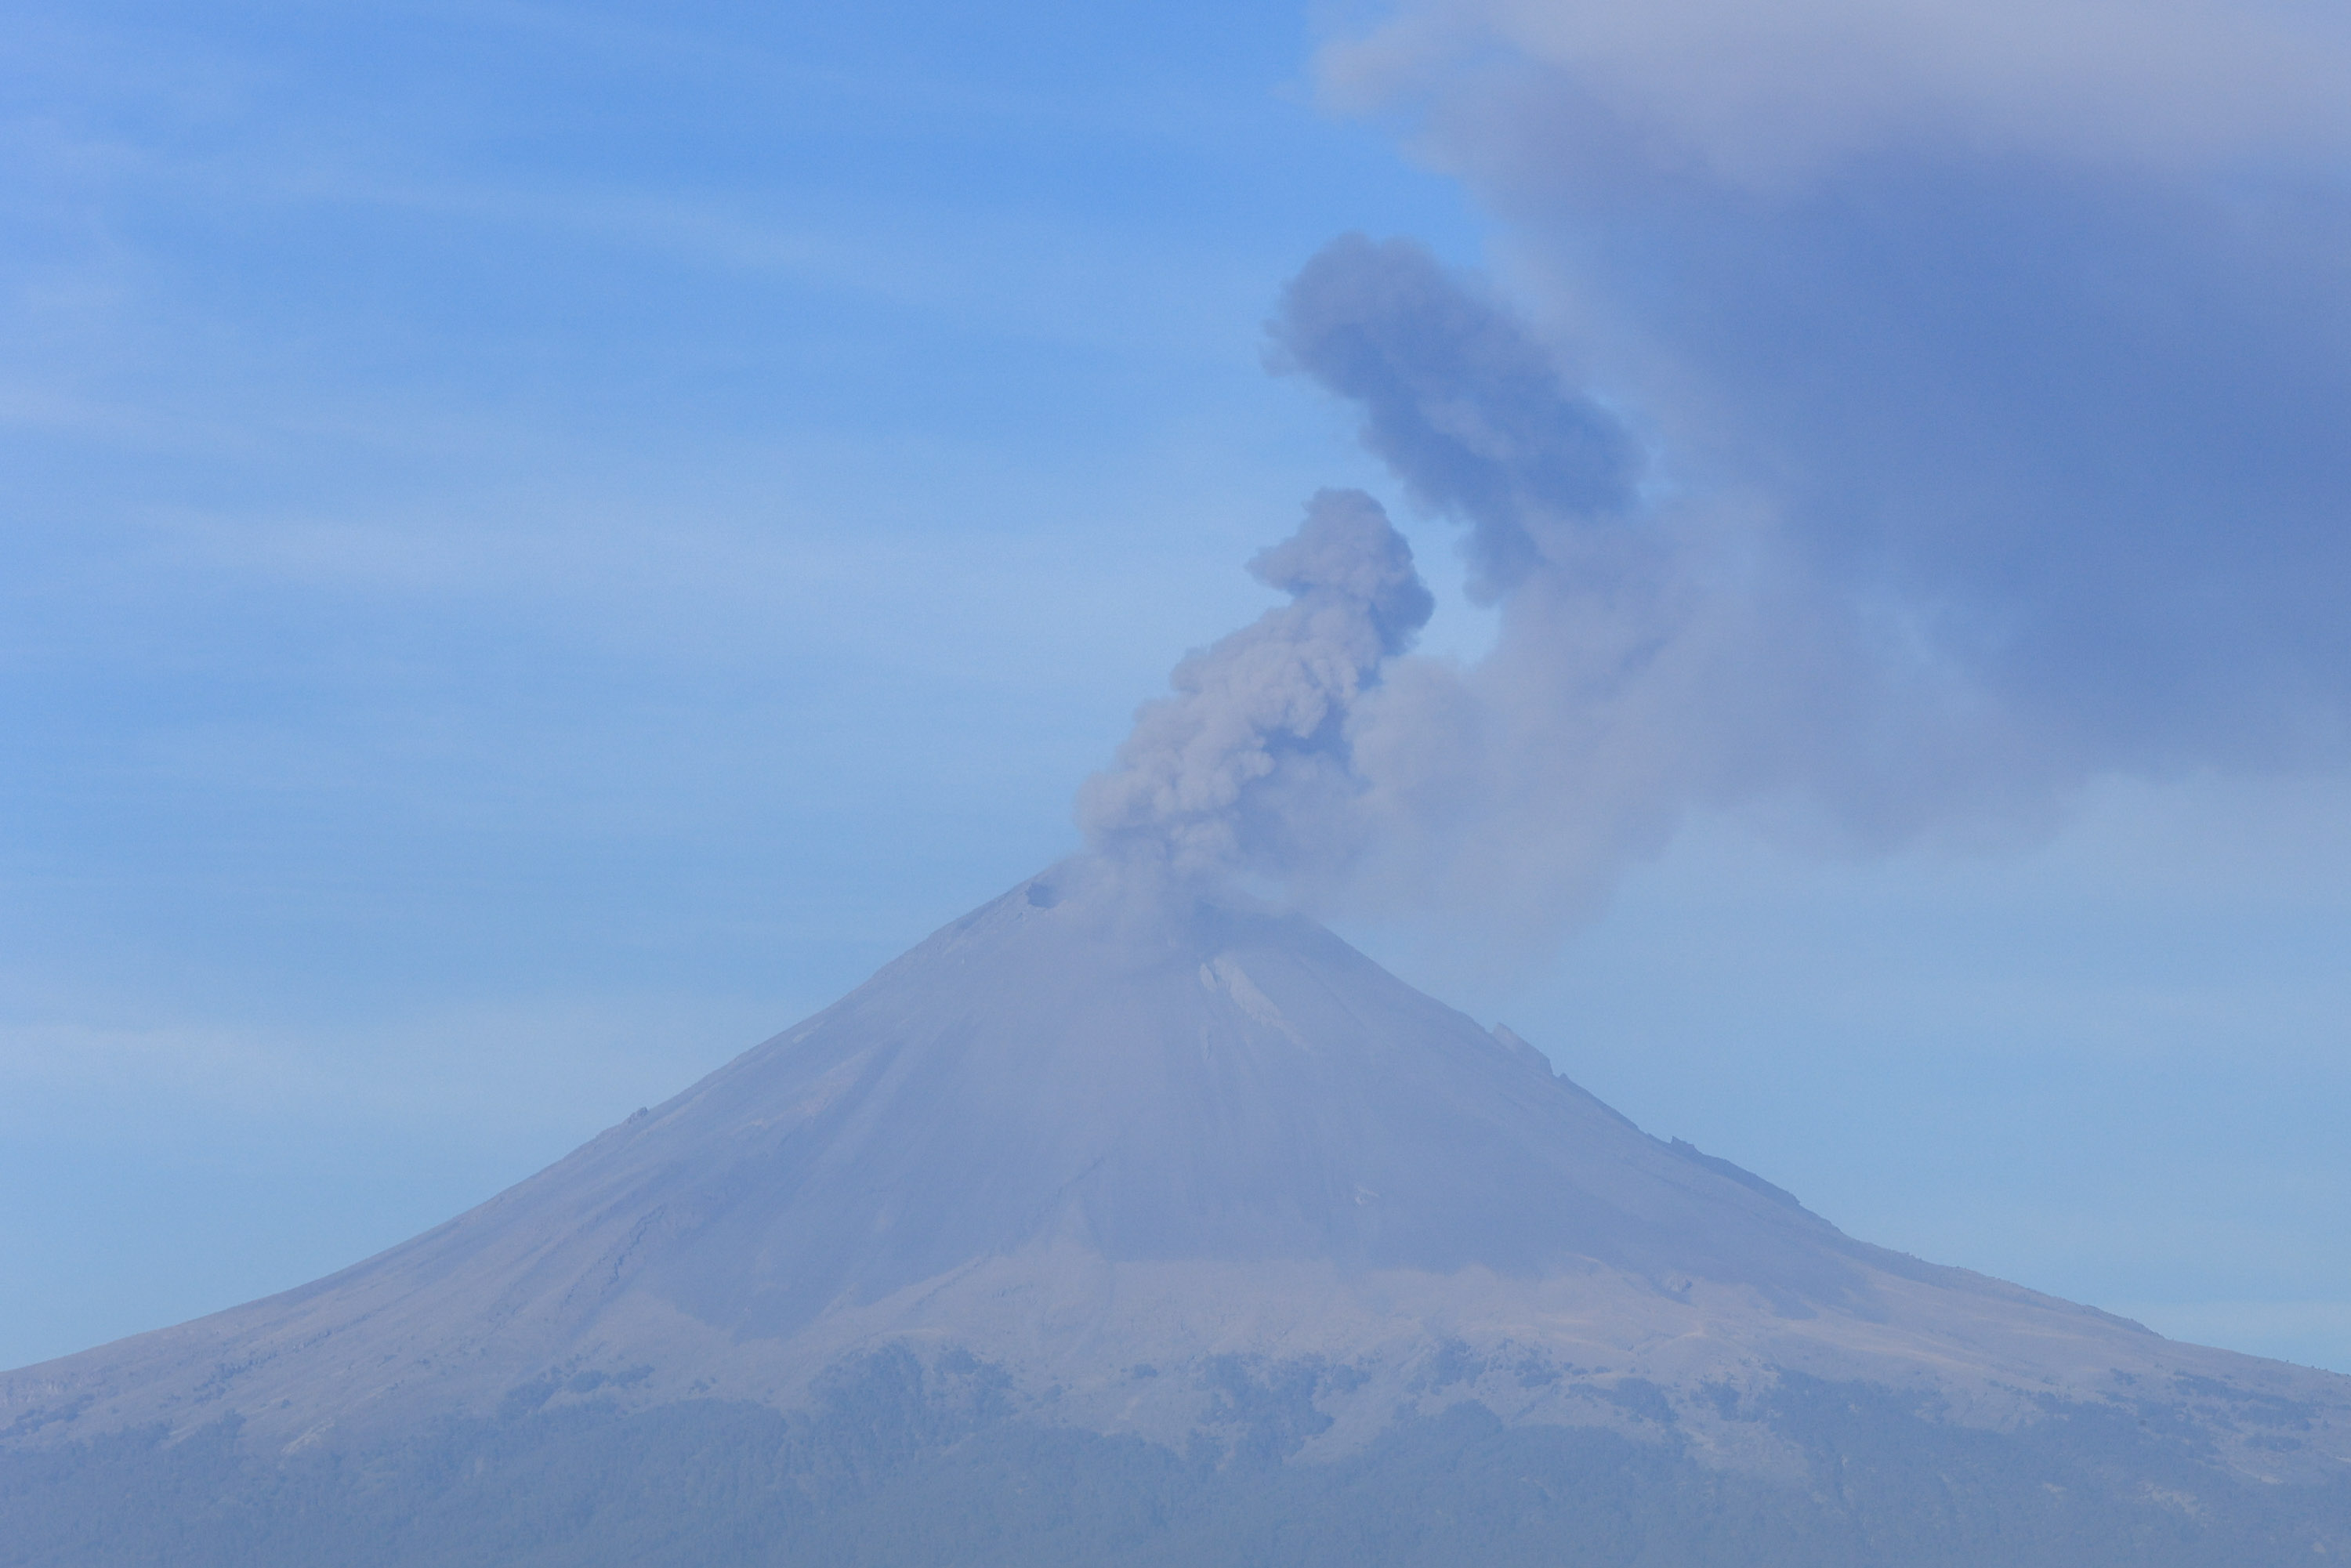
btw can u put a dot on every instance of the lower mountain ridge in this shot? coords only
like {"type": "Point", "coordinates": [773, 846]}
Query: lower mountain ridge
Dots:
{"type": "Point", "coordinates": [1159, 1230]}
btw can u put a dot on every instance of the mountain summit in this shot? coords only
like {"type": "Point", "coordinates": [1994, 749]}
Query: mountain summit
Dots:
{"type": "Point", "coordinates": [1181, 1182]}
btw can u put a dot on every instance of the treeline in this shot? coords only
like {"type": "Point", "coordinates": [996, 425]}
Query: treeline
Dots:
{"type": "Point", "coordinates": [902, 1466]}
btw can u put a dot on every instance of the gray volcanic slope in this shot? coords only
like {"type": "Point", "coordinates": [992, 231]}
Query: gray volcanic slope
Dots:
{"type": "Point", "coordinates": [1196, 1187]}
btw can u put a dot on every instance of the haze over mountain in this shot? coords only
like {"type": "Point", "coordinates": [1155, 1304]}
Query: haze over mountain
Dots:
{"type": "Point", "coordinates": [1199, 1189]}
{"type": "Point", "coordinates": [1881, 425]}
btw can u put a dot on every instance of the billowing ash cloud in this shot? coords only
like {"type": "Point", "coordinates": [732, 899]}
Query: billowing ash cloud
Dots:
{"type": "Point", "coordinates": [1473, 417]}
{"type": "Point", "coordinates": [1651, 655]}
{"type": "Point", "coordinates": [1935, 407]}
{"type": "Point", "coordinates": [2030, 320]}
{"type": "Point", "coordinates": [1247, 770]}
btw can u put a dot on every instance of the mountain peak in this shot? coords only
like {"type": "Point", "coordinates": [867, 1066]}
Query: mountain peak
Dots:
{"type": "Point", "coordinates": [1096, 1126]}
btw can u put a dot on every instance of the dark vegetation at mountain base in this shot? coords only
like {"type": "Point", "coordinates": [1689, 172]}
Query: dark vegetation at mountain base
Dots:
{"type": "Point", "coordinates": [901, 1465]}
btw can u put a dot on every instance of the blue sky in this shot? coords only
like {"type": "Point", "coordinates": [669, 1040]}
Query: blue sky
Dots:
{"type": "Point", "coordinates": [545, 543]}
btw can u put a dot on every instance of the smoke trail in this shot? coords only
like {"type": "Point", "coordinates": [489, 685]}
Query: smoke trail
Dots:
{"type": "Point", "coordinates": [1249, 767]}
{"type": "Point", "coordinates": [1473, 417]}
{"type": "Point", "coordinates": [1649, 659]}
{"type": "Point", "coordinates": [2023, 324]}
{"type": "Point", "coordinates": [1652, 657]}
{"type": "Point", "coordinates": [1990, 407]}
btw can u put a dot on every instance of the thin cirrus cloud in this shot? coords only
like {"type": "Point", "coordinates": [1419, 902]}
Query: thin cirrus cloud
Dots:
{"type": "Point", "coordinates": [1914, 413]}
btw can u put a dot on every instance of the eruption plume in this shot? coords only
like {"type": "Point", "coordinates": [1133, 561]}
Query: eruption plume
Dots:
{"type": "Point", "coordinates": [1249, 769]}
{"type": "Point", "coordinates": [1919, 428]}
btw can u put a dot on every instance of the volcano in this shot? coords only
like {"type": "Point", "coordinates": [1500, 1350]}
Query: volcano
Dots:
{"type": "Point", "coordinates": [1169, 1229]}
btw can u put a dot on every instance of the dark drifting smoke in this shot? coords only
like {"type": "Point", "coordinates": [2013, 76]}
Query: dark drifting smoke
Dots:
{"type": "Point", "coordinates": [1647, 659]}
{"type": "Point", "coordinates": [1956, 449]}
{"type": "Point", "coordinates": [1249, 770]}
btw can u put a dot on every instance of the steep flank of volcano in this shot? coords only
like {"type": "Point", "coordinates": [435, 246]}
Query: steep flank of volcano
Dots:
{"type": "Point", "coordinates": [1175, 1170]}
{"type": "Point", "coordinates": [1230, 1086]}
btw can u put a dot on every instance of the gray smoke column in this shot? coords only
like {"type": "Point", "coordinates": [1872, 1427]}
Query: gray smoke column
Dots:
{"type": "Point", "coordinates": [1248, 770]}
{"type": "Point", "coordinates": [1899, 415]}
{"type": "Point", "coordinates": [2023, 325]}
{"type": "Point", "coordinates": [1651, 657]}
{"type": "Point", "coordinates": [1657, 653]}
{"type": "Point", "coordinates": [1474, 417]}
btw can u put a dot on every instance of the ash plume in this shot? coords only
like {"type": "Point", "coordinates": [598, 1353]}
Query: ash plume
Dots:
{"type": "Point", "coordinates": [1247, 769]}
{"type": "Point", "coordinates": [1893, 423]}
{"type": "Point", "coordinates": [1645, 663]}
